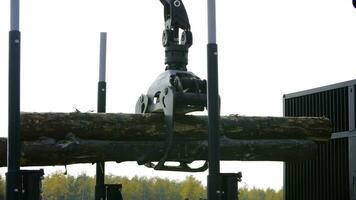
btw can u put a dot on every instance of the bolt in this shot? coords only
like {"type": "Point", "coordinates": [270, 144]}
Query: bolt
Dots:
{"type": "Point", "coordinates": [176, 3]}
{"type": "Point", "coordinates": [164, 39]}
{"type": "Point", "coordinates": [184, 39]}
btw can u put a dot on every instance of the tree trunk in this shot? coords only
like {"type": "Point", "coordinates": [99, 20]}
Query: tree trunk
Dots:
{"type": "Point", "coordinates": [48, 152]}
{"type": "Point", "coordinates": [127, 127]}
{"type": "Point", "coordinates": [69, 138]}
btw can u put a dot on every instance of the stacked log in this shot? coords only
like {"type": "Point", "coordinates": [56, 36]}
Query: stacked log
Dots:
{"type": "Point", "coordinates": [70, 138]}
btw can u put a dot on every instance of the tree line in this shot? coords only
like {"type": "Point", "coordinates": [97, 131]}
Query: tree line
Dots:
{"type": "Point", "coordinates": [58, 186]}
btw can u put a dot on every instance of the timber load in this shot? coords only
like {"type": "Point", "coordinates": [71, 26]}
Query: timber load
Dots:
{"type": "Point", "coordinates": [69, 138]}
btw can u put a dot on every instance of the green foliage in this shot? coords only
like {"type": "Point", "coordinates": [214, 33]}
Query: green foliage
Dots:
{"type": "Point", "coordinates": [259, 194]}
{"type": "Point", "coordinates": [82, 187]}
{"type": "Point", "coordinates": [192, 189]}
{"type": "Point", "coordinates": [2, 188]}
{"type": "Point", "coordinates": [58, 186]}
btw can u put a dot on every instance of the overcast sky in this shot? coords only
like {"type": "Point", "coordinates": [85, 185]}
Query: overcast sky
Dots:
{"type": "Point", "coordinates": [266, 49]}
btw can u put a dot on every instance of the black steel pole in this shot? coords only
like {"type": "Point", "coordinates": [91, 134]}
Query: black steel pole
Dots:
{"type": "Point", "coordinates": [100, 166]}
{"type": "Point", "coordinates": [214, 192]}
{"type": "Point", "coordinates": [13, 175]}
{"type": "Point", "coordinates": [213, 120]}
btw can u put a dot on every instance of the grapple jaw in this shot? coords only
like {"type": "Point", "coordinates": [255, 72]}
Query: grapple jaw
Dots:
{"type": "Point", "coordinates": [174, 92]}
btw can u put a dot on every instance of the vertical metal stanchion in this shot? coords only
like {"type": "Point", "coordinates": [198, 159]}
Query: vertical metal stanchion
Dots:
{"type": "Point", "coordinates": [13, 175]}
{"type": "Point", "coordinates": [213, 107]}
{"type": "Point", "coordinates": [100, 166]}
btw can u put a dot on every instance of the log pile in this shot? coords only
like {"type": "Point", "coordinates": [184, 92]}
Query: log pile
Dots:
{"type": "Point", "coordinates": [69, 138]}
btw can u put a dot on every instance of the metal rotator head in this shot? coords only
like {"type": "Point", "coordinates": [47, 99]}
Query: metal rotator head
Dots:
{"type": "Point", "coordinates": [176, 49]}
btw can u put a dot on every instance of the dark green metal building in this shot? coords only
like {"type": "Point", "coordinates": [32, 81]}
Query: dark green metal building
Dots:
{"type": "Point", "coordinates": [332, 175]}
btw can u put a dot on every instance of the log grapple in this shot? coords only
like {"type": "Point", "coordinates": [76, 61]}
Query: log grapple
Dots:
{"type": "Point", "coordinates": [176, 91]}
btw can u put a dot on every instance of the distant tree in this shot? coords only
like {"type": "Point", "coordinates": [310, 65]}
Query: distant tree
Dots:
{"type": "Point", "coordinates": [111, 179]}
{"type": "Point", "coordinates": [161, 188]}
{"type": "Point", "coordinates": [270, 194]}
{"type": "Point", "coordinates": [71, 187]}
{"type": "Point", "coordinates": [243, 193]}
{"type": "Point", "coordinates": [2, 188]}
{"type": "Point", "coordinates": [83, 187]}
{"type": "Point", "coordinates": [58, 186]}
{"type": "Point", "coordinates": [174, 190]}
{"type": "Point", "coordinates": [256, 194]}
{"type": "Point", "coordinates": [280, 194]}
{"type": "Point", "coordinates": [55, 187]}
{"type": "Point", "coordinates": [259, 194]}
{"type": "Point", "coordinates": [192, 189]}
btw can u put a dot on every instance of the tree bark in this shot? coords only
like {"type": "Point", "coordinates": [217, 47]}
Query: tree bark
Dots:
{"type": "Point", "coordinates": [69, 138]}
{"type": "Point", "coordinates": [49, 152]}
{"type": "Point", "coordinates": [133, 127]}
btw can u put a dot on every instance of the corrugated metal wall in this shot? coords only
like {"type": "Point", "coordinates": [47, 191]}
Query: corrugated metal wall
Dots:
{"type": "Point", "coordinates": [326, 177]}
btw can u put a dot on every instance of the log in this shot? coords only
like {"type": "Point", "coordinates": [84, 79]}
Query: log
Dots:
{"type": "Point", "coordinates": [133, 127]}
{"type": "Point", "coordinates": [69, 138]}
{"type": "Point", "coordinates": [49, 152]}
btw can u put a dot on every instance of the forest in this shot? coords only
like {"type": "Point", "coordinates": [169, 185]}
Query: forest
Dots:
{"type": "Point", "coordinates": [58, 186]}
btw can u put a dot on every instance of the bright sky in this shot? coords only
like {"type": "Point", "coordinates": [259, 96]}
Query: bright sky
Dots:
{"type": "Point", "coordinates": [266, 49]}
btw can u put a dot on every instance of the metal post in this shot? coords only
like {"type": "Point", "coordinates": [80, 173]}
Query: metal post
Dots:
{"type": "Point", "coordinates": [213, 107]}
{"type": "Point", "coordinates": [211, 22]}
{"type": "Point", "coordinates": [352, 142]}
{"type": "Point", "coordinates": [13, 175]}
{"type": "Point", "coordinates": [100, 166]}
